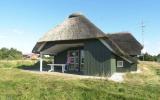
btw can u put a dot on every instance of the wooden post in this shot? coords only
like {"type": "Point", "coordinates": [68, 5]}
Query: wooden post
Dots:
{"type": "Point", "coordinates": [41, 62]}
{"type": "Point", "coordinates": [63, 68]}
{"type": "Point", "coordinates": [52, 68]}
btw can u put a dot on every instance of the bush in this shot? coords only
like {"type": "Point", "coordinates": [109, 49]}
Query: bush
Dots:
{"type": "Point", "coordinates": [10, 54]}
{"type": "Point", "coordinates": [148, 57]}
{"type": "Point", "coordinates": [158, 58]}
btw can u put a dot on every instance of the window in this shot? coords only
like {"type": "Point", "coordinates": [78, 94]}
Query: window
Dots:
{"type": "Point", "coordinates": [119, 63]}
{"type": "Point", "coordinates": [73, 57]}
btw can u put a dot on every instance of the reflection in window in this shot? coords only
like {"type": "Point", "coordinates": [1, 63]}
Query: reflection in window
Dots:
{"type": "Point", "coordinates": [82, 56]}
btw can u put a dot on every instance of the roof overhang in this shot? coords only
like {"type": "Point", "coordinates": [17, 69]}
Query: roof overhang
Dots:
{"type": "Point", "coordinates": [59, 48]}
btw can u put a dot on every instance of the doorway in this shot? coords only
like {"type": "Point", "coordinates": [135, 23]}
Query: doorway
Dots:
{"type": "Point", "coordinates": [75, 60]}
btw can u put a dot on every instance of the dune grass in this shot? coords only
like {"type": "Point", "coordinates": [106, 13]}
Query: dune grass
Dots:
{"type": "Point", "coordinates": [15, 63]}
{"type": "Point", "coordinates": [149, 74]}
{"type": "Point", "coordinates": [16, 84]}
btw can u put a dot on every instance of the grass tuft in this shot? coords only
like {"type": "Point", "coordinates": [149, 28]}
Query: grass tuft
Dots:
{"type": "Point", "coordinates": [16, 84]}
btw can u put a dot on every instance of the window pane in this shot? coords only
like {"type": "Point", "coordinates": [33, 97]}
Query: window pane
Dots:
{"type": "Point", "coordinates": [82, 56]}
{"type": "Point", "coordinates": [119, 63]}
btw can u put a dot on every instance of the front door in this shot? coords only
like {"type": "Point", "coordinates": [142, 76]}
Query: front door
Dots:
{"type": "Point", "coordinates": [73, 60]}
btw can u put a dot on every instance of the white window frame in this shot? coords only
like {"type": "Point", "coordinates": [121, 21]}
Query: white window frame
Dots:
{"type": "Point", "coordinates": [118, 62]}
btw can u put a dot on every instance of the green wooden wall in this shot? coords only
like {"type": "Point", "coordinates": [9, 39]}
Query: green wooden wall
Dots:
{"type": "Point", "coordinates": [98, 58]}
{"type": "Point", "coordinates": [113, 64]}
{"type": "Point", "coordinates": [127, 66]}
{"type": "Point", "coordinates": [61, 58]}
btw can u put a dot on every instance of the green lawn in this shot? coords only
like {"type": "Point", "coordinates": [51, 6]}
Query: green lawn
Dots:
{"type": "Point", "coordinates": [16, 84]}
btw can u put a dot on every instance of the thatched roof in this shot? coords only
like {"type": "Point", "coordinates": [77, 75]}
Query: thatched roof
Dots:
{"type": "Point", "coordinates": [126, 42]}
{"type": "Point", "coordinates": [75, 27]}
{"type": "Point", "coordinates": [118, 51]}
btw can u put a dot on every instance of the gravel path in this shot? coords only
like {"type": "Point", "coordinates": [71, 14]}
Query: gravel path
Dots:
{"type": "Point", "coordinates": [117, 77]}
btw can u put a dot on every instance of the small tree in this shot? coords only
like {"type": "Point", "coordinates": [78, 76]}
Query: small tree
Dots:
{"type": "Point", "coordinates": [148, 57]}
{"type": "Point", "coordinates": [10, 54]}
{"type": "Point", "coordinates": [158, 58]}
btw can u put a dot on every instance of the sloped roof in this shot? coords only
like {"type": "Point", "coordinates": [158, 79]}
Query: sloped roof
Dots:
{"type": "Point", "coordinates": [75, 27]}
{"type": "Point", "coordinates": [78, 27]}
{"type": "Point", "coordinates": [126, 42]}
{"type": "Point", "coordinates": [117, 50]}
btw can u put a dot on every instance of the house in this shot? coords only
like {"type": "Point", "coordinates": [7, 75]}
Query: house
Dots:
{"type": "Point", "coordinates": [85, 49]}
{"type": "Point", "coordinates": [32, 56]}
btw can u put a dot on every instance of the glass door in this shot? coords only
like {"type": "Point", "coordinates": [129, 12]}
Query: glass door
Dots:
{"type": "Point", "coordinates": [73, 60]}
{"type": "Point", "coordinates": [82, 60]}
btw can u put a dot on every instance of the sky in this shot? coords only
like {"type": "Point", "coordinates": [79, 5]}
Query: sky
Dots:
{"type": "Point", "coordinates": [23, 22]}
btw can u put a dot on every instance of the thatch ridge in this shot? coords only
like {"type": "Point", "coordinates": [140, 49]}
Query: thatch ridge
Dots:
{"type": "Point", "coordinates": [73, 28]}
{"type": "Point", "coordinates": [126, 42]}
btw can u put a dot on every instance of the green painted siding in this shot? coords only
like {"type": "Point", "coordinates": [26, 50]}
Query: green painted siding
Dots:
{"type": "Point", "coordinates": [61, 58]}
{"type": "Point", "coordinates": [97, 58]}
{"type": "Point", "coordinates": [113, 64]}
{"type": "Point", "coordinates": [127, 66]}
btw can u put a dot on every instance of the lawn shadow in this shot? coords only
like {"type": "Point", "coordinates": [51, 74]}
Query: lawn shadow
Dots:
{"type": "Point", "coordinates": [35, 66]}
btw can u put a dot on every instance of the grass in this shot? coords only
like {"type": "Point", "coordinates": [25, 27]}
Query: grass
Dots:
{"type": "Point", "coordinates": [149, 74]}
{"type": "Point", "coordinates": [15, 63]}
{"type": "Point", "coordinates": [16, 84]}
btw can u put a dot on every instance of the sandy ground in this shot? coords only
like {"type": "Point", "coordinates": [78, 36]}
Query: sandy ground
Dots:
{"type": "Point", "coordinates": [116, 77]}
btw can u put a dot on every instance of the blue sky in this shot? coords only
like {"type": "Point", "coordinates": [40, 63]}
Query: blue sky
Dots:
{"type": "Point", "coordinates": [23, 22]}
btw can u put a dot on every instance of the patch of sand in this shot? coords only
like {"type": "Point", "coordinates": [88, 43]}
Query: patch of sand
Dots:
{"type": "Point", "coordinates": [116, 77]}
